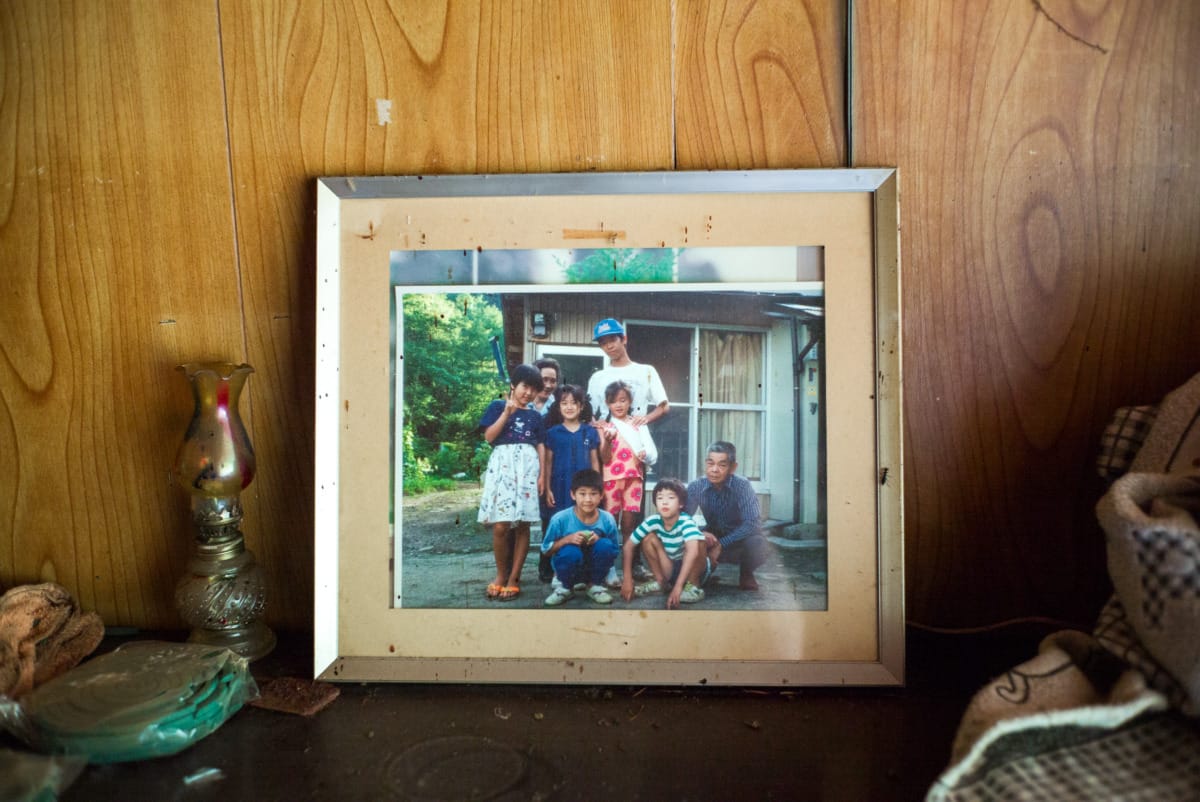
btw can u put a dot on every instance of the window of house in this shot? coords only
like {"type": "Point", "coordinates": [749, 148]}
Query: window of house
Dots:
{"type": "Point", "coordinates": [714, 379]}
{"type": "Point", "coordinates": [730, 391]}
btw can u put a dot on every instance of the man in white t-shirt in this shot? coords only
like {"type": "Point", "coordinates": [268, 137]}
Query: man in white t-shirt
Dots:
{"type": "Point", "coordinates": [649, 401]}
{"type": "Point", "coordinates": [649, 395]}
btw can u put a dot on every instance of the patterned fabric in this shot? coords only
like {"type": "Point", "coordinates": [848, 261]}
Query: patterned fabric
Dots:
{"type": "Point", "coordinates": [510, 485]}
{"type": "Point", "coordinates": [1152, 758]}
{"type": "Point", "coordinates": [1115, 633]}
{"type": "Point", "coordinates": [624, 463]}
{"type": "Point", "coordinates": [624, 472]}
{"type": "Point", "coordinates": [623, 495]}
{"type": "Point", "coordinates": [634, 440]}
{"type": "Point", "coordinates": [685, 529]}
{"type": "Point", "coordinates": [1159, 555]}
{"type": "Point", "coordinates": [1153, 545]}
{"type": "Point", "coordinates": [1121, 440]}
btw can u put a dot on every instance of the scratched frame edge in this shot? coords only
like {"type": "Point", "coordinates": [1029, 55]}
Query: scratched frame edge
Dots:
{"type": "Point", "coordinates": [330, 660]}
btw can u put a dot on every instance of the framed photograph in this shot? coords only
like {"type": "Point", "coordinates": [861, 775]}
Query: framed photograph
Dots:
{"type": "Point", "coordinates": [610, 428]}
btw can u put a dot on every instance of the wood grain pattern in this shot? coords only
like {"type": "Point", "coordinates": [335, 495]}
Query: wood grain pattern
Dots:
{"type": "Point", "coordinates": [370, 88]}
{"type": "Point", "coordinates": [118, 255]}
{"type": "Point", "coordinates": [1049, 198]}
{"type": "Point", "coordinates": [1049, 192]}
{"type": "Point", "coordinates": [760, 84]}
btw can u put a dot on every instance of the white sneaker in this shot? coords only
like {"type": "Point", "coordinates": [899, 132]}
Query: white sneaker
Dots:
{"type": "Point", "coordinates": [691, 594]}
{"type": "Point", "coordinates": [599, 595]}
{"type": "Point", "coordinates": [557, 596]}
{"type": "Point", "coordinates": [641, 573]}
{"type": "Point", "coordinates": [647, 588]}
{"type": "Point", "coordinates": [612, 580]}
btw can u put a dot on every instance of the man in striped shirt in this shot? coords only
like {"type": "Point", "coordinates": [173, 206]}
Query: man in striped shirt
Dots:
{"type": "Point", "coordinates": [673, 548]}
{"type": "Point", "coordinates": [732, 522]}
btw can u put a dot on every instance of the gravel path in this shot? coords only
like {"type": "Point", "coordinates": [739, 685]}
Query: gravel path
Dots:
{"type": "Point", "coordinates": [447, 563]}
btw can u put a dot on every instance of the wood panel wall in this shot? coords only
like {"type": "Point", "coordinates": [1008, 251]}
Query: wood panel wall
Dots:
{"type": "Point", "coordinates": [156, 206]}
{"type": "Point", "coordinates": [1051, 273]}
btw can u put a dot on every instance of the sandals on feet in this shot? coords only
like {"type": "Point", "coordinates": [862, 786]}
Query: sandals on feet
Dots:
{"type": "Point", "coordinates": [493, 591]}
{"type": "Point", "coordinates": [509, 592]}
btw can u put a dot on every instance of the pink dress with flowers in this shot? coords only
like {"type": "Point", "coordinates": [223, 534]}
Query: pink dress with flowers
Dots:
{"type": "Point", "coordinates": [623, 473]}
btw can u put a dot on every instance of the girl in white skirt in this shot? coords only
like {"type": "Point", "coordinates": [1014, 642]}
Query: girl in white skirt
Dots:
{"type": "Point", "coordinates": [514, 478]}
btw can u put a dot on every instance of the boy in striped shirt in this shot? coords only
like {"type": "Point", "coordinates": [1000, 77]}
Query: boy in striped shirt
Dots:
{"type": "Point", "coordinates": [672, 547]}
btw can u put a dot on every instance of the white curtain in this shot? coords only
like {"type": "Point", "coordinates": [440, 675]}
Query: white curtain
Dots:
{"type": "Point", "coordinates": [731, 374]}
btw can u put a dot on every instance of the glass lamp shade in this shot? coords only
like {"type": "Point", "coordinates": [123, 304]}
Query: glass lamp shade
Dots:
{"type": "Point", "coordinates": [215, 459]}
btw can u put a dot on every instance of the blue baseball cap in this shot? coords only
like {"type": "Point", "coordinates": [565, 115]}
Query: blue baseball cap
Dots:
{"type": "Point", "coordinates": [606, 327]}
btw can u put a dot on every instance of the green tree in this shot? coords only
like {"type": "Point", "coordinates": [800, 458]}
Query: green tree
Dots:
{"type": "Point", "coordinates": [623, 265]}
{"type": "Point", "coordinates": [449, 378]}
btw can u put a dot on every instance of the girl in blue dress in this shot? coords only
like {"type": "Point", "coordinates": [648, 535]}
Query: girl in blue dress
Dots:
{"type": "Point", "coordinates": [571, 445]}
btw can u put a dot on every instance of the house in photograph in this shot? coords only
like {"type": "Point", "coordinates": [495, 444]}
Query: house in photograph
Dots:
{"type": "Point", "coordinates": [740, 366]}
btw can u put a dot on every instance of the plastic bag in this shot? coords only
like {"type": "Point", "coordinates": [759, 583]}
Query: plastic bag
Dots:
{"type": "Point", "coordinates": [26, 777]}
{"type": "Point", "coordinates": [145, 699]}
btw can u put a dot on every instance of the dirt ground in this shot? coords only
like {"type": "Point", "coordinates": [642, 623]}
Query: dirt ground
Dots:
{"type": "Point", "coordinates": [447, 563]}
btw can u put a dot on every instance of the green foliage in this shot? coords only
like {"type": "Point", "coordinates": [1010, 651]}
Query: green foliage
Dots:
{"type": "Point", "coordinates": [418, 471]}
{"type": "Point", "coordinates": [479, 460]}
{"type": "Point", "coordinates": [623, 265]}
{"type": "Point", "coordinates": [447, 460]}
{"type": "Point", "coordinates": [415, 486]}
{"type": "Point", "coordinates": [449, 379]}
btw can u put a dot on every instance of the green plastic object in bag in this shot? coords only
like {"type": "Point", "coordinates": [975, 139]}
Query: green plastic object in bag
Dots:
{"type": "Point", "coordinates": [145, 699]}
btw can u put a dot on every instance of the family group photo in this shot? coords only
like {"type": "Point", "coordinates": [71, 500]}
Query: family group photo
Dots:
{"type": "Point", "coordinates": [645, 447]}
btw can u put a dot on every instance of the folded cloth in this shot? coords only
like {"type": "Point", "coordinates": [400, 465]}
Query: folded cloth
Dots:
{"type": "Point", "coordinates": [1101, 717]}
{"type": "Point", "coordinates": [1150, 520]}
{"type": "Point", "coordinates": [1173, 442]}
{"type": "Point", "coordinates": [1071, 671]}
{"type": "Point", "coordinates": [42, 634]}
{"type": "Point", "coordinates": [1153, 540]}
{"type": "Point", "coordinates": [1015, 730]}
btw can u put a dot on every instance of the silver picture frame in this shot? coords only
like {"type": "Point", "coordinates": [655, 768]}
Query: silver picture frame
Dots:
{"type": "Point", "coordinates": [377, 237]}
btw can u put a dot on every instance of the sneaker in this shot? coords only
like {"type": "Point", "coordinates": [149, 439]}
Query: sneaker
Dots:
{"type": "Point", "coordinates": [647, 588]}
{"type": "Point", "coordinates": [558, 596]}
{"type": "Point", "coordinates": [612, 580]}
{"type": "Point", "coordinates": [599, 595]}
{"type": "Point", "coordinates": [691, 594]}
{"type": "Point", "coordinates": [641, 573]}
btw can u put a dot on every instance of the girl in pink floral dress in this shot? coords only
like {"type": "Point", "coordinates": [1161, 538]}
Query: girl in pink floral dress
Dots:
{"type": "Point", "coordinates": [625, 452]}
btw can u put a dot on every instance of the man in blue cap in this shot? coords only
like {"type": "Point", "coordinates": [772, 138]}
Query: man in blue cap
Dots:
{"type": "Point", "coordinates": [649, 395]}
